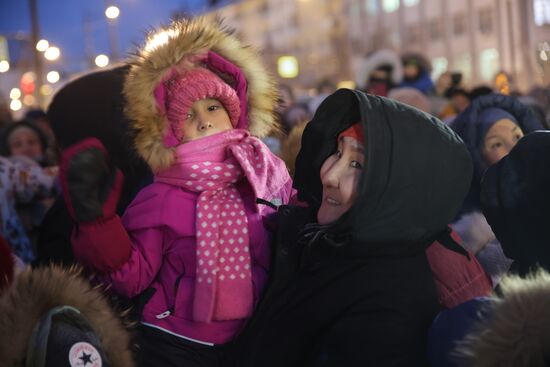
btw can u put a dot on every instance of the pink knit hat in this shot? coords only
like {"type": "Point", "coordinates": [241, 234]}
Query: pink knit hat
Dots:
{"type": "Point", "coordinates": [199, 83]}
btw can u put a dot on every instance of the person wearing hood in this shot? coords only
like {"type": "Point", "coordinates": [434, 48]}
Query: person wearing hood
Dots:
{"type": "Point", "coordinates": [194, 240]}
{"type": "Point", "coordinates": [515, 200]}
{"type": "Point", "coordinates": [351, 284]}
{"type": "Point", "coordinates": [490, 127]}
{"type": "Point", "coordinates": [509, 328]}
{"type": "Point", "coordinates": [379, 72]}
{"type": "Point", "coordinates": [52, 317]}
{"type": "Point", "coordinates": [416, 74]}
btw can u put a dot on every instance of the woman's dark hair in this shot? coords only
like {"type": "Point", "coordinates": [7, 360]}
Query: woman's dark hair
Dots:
{"type": "Point", "coordinates": [9, 129]}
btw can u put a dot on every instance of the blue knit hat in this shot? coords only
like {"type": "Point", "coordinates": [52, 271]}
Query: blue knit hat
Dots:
{"type": "Point", "coordinates": [487, 118]}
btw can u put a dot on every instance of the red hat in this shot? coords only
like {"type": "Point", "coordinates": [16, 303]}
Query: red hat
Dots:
{"type": "Point", "coordinates": [355, 131]}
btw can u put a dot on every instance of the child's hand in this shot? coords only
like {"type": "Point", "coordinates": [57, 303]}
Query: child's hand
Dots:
{"type": "Point", "coordinates": [91, 185]}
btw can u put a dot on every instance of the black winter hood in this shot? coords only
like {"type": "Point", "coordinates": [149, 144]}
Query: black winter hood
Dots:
{"type": "Point", "coordinates": [416, 176]}
{"type": "Point", "coordinates": [515, 200]}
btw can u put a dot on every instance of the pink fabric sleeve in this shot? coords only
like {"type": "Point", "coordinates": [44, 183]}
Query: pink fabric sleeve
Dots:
{"type": "Point", "coordinates": [143, 264]}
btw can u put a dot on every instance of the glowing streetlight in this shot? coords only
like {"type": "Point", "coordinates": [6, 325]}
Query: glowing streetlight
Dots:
{"type": "Point", "coordinates": [4, 66]}
{"type": "Point", "coordinates": [112, 12]}
{"type": "Point", "coordinates": [287, 67]}
{"type": "Point", "coordinates": [15, 105]}
{"type": "Point", "coordinates": [29, 100]}
{"type": "Point", "coordinates": [15, 93]}
{"type": "Point", "coordinates": [52, 53]}
{"type": "Point", "coordinates": [46, 90]}
{"type": "Point", "coordinates": [53, 77]}
{"type": "Point", "coordinates": [42, 45]}
{"type": "Point", "coordinates": [102, 60]}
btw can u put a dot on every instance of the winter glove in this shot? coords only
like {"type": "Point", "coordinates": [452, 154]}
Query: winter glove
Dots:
{"type": "Point", "coordinates": [91, 189]}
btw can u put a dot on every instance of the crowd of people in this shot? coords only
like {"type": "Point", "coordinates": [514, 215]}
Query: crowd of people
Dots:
{"type": "Point", "coordinates": [181, 210]}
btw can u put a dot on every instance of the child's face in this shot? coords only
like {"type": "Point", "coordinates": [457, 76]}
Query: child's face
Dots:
{"type": "Point", "coordinates": [499, 140]}
{"type": "Point", "coordinates": [205, 117]}
{"type": "Point", "coordinates": [340, 176]}
{"type": "Point", "coordinates": [24, 141]}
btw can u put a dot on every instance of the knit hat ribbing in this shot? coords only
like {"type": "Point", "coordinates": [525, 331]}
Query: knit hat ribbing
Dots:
{"type": "Point", "coordinates": [199, 83]}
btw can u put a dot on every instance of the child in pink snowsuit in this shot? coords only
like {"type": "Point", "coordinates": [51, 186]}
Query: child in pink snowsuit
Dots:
{"type": "Point", "coordinates": [196, 237]}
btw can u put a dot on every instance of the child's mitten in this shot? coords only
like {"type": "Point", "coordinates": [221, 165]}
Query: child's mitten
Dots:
{"type": "Point", "coordinates": [91, 188]}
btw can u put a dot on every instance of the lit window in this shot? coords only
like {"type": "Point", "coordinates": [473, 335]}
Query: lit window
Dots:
{"type": "Point", "coordinates": [488, 63]}
{"type": "Point", "coordinates": [371, 6]}
{"type": "Point", "coordinates": [390, 5]}
{"type": "Point", "coordinates": [541, 10]}
{"type": "Point", "coordinates": [439, 66]}
{"type": "Point", "coordinates": [410, 2]}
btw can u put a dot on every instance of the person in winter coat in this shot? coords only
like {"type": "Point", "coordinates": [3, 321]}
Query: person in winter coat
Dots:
{"type": "Point", "coordinates": [78, 111]}
{"type": "Point", "coordinates": [194, 240]}
{"type": "Point", "coordinates": [20, 182]}
{"type": "Point", "coordinates": [53, 317]}
{"type": "Point", "coordinates": [490, 128]}
{"type": "Point", "coordinates": [379, 72]}
{"type": "Point", "coordinates": [504, 330]}
{"type": "Point", "coordinates": [515, 199]}
{"type": "Point", "coordinates": [416, 73]}
{"type": "Point", "coordinates": [25, 143]}
{"type": "Point", "coordinates": [351, 284]}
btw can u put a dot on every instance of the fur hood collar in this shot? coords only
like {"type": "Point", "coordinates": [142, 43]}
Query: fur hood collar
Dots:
{"type": "Point", "coordinates": [517, 331]}
{"type": "Point", "coordinates": [165, 49]}
{"type": "Point", "coordinates": [35, 292]}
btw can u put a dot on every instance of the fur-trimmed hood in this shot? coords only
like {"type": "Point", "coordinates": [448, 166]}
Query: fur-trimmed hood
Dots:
{"type": "Point", "coordinates": [369, 64]}
{"type": "Point", "coordinates": [165, 49]}
{"type": "Point", "coordinates": [35, 292]}
{"type": "Point", "coordinates": [517, 331]}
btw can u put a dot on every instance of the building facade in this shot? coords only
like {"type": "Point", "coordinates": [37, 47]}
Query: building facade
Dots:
{"type": "Point", "coordinates": [479, 38]}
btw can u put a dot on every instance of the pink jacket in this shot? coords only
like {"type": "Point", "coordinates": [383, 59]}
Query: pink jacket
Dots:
{"type": "Point", "coordinates": [161, 225]}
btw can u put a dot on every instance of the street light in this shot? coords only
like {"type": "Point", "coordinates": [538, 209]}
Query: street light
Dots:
{"type": "Point", "coordinates": [102, 60]}
{"type": "Point", "coordinates": [287, 67]}
{"type": "Point", "coordinates": [52, 53]}
{"type": "Point", "coordinates": [46, 90]}
{"type": "Point", "coordinates": [15, 93]}
{"type": "Point", "coordinates": [42, 45]}
{"type": "Point", "coordinates": [52, 77]}
{"type": "Point", "coordinates": [4, 66]}
{"type": "Point", "coordinates": [112, 12]}
{"type": "Point", "coordinates": [15, 105]}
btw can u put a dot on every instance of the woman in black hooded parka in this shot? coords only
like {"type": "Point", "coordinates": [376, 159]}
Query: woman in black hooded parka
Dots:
{"type": "Point", "coordinates": [358, 291]}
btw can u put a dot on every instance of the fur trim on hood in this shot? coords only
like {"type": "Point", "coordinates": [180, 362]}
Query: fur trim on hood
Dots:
{"type": "Point", "coordinates": [518, 331]}
{"type": "Point", "coordinates": [164, 49]}
{"type": "Point", "coordinates": [372, 62]}
{"type": "Point", "coordinates": [35, 292]}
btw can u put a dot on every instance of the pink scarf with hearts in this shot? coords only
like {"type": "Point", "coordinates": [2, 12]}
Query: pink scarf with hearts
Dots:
{"type": "Point", "coordinates": [212, 166]}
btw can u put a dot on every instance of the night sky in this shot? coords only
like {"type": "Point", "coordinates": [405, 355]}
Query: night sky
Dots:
{"type": "Point", "coordinates": [62, 23]}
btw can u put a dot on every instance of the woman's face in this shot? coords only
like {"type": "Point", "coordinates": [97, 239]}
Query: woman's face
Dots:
{"type": "Point", "coordinates": [205, 117]}
{"type": "Point", "coordinates": [499, 140]}
{"type": "Point", "coordinates": [340, 176]}
{"type": "Point", "coordinates": [24, 141]}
